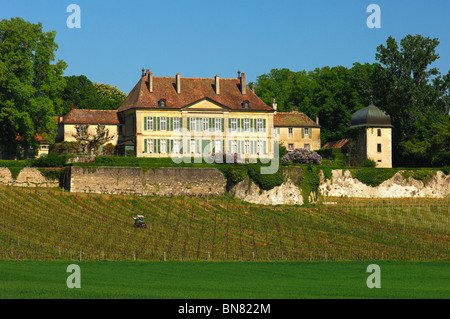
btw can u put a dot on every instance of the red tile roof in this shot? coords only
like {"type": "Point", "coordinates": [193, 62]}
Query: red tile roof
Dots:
{"type": "Point", "coordinates": [335, 144]}
{"type": "Point", "coordinates": [192, 90]}
{"type": "Point", "coordinates": [293, 119]}
{"type": "Point", "coordinates": [78, 116]}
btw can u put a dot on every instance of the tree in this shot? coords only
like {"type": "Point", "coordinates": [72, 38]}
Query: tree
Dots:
{"type": "Point", "coordinates": [416, 96]}
{"type": "Point", "coordinates": [110, 96]}
{"type": "Point", "coordinates": [30, 84]}
{"type": "Point", "coordinates": [89, 143]}
{"type": "Point", "coordinates": [81, 93]}
{"type": "Point", "coordinates": [332, 93]}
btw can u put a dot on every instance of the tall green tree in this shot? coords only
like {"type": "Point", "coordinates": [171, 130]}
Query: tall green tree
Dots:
{"type": "Point", "coordinates": [81, 93]}
{"type": "Point", "coordinates": [416, 96]}
{"type": "Point", "coordinates": [30, 84]}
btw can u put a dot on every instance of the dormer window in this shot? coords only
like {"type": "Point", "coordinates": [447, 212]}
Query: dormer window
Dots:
{"type": "Point", "coordinates": [162, 103]}
{"type": "Point", "coordinates": [245, 104]}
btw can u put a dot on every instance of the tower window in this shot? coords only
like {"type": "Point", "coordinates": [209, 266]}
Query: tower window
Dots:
{"type": "Point", "coordinates": [379, 148]}
{"type": "Point", "coordinates": [379, 132]}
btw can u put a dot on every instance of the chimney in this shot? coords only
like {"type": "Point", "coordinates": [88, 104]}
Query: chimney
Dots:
{"type": "Point", "coordinates": [217, 84]}
{"type": "Point", "coordinates": [178, 83]}
{"type": "Point", "coordinates": [142, 75]}
{"type": "Point", "coordinates": [243, 85]}
{"type": "Point", "coordinates": [317, 120]}
{"type": "Point", "coordinates": [150, 81]}
{"type": "Point", "coordinates": [274, 106]}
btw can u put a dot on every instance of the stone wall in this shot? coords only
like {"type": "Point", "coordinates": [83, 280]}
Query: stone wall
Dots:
{"type": "Point", "coordinates": [28, 177]}
{"type": "Point", "coordinates": [173, 181]}
{"type": "Point", "coordinates": [343, 184]}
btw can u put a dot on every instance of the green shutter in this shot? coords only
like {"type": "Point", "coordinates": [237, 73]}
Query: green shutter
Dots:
{"type": "Point", "coordinates": [181, 123]}
{"type": "Point", "coordinates": [157, 120]}
{"type": "Point", "coordinates": [310, 132]}
{"type": "Point", "coordinates": [145, 145]}
{"type": "Point", "coordinates": [145, 123]}
{"type": "Point", "coordinates": [223, 128]}
{"type": "Point", "coordinates": [154, 146]}
{"type": "Point", "coordinates": [204, 144]}
{"type": "Point", "coordinates": [154, 123]}
{"type": "Point", "coordinates": [188, 123]}
{"type": "Point", "coordinates": [264, 125]}
{"type": "Point", "coordinates": [303, 132]}
{"type": "Point", "coordinates": [158, 146]}
{"type": "Point", "coordinates": [223, 146]}
{"type": "Point", "coordinates": [229, 124]}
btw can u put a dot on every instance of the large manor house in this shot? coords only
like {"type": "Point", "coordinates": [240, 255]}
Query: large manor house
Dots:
{"type": "Point", "coordinates": [194, 116]}
{"type": "Point", "coordinates": [177, 116]}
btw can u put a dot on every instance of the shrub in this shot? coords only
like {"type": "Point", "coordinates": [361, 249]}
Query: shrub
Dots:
{"type": "Point", "coordinates": [441, 159]}
{"type": "Point", "coordinates": [109, 149]}
{"type": "Point", "coordinates": [51, 160]}
{"type": "Point", "coordinates": [367, 162]}
{"type": "Point", "coordinates": [303, 156]}
{"type": "Point", "coordinates": [373, 176]}
{"type": "Point", "coordinates": [265, 181]}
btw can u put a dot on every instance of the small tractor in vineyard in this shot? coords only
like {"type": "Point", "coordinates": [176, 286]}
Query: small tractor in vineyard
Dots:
{"type": "Point", "coordinates": [139, 222]}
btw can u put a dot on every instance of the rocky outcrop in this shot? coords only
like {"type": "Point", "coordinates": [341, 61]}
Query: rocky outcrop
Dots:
{"type": "Point", "coordinates": [343, 184]}
{"type": "Point", "coordinates": [287, 193]}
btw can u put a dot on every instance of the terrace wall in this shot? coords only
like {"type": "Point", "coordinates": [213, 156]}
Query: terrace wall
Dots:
{"type": "Point", "coordinates": [27, 177]}
{"type": "Point", "coordinates": [173, 181]}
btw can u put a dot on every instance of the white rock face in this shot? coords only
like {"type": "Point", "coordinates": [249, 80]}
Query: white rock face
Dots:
{"type": "Point", "coordinates": [395, 187]}
{"type": "Point", "coordinates": [287, 193]}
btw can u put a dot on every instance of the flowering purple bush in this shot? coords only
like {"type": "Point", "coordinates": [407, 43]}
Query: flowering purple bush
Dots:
{"type": "Point", "coordinates": [302, 155]}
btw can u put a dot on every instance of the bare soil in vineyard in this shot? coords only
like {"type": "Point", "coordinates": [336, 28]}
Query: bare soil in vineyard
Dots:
{"type": "Point", "coordinates": [43, 224]}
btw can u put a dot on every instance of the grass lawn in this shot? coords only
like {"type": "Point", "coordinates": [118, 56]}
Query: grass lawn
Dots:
{"type": "Point", "coordinates": [224, 280]}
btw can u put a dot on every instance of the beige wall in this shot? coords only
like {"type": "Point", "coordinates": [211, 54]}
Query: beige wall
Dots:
{"type": "Point", "coordinates": [383, 158]}
{"type": "Point", "coordinates": [69, 130]}
{"type": "Point", "coordinates": [297, 140]}
{"type": "Point", "coordinates": [202, 109]}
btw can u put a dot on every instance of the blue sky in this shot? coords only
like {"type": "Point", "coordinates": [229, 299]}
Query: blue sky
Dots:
{"type": "Point", "coordinates": [204, 38]}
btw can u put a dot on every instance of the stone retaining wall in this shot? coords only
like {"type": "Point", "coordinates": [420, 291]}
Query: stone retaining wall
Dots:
{"type": "Point", "coordinates": [165, 181]}
{"type": "Point", "coordinates": [28, 177]}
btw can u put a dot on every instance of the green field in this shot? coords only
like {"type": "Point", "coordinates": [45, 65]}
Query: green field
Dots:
{"type": "Point", "coordinates": [224, 280]}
